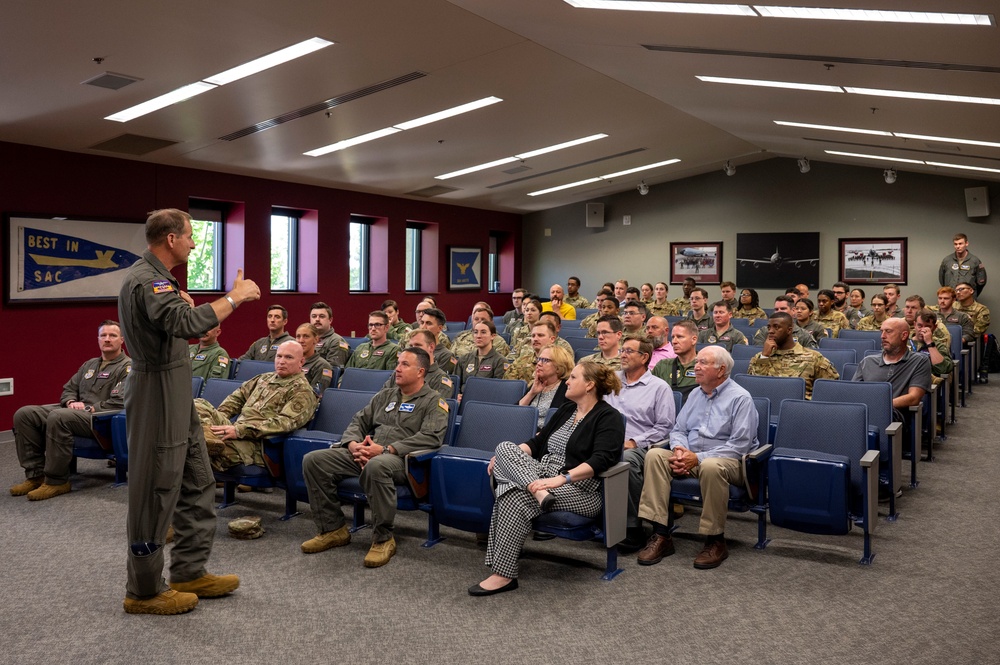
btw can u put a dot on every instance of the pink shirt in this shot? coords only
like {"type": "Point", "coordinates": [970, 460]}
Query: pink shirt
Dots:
{"type": "Point", "coordinates": [662, 353]}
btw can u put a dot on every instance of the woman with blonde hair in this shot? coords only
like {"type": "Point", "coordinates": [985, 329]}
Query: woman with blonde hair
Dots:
{"type": "Point", "coordinates": [548, 389]}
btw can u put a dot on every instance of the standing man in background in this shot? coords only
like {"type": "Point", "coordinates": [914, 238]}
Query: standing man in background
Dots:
{"type": "Point", "coordinates": [168, 462]}
{"type": "Point", "coordinates": [962, 266]}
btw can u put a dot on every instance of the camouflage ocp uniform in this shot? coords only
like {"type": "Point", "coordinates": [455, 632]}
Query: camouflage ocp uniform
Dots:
{"type": "Point", "coordinates": [614, 363]}
{"type": "Point", "coordinates": [796, 361]}
{"type": "Point", "coordinates": [682, 304]}
{"type": "Point", "coordinates": [980, 315]}
{"type": "Point", "coordinates": [577, 301]}
{"type": "Point", "coordinates": [834, 320]}
{"type": "Point", "coordinates": [668, 308]}
{"type": "Point", "coordinates": [463, 344]}
{"type": "Point", "coordinates": [319, 373]}
{"type": "Point", "coordinates": [442, 340]}
{"type": "Point", "coordinates": [868, 323]}
{"type": "Point", "coordinates": [589, 322]}
{"type": "Point", "coordinates": [801, 336]}
{"type": "Point", "coordinates": [751, 314]}
{"type": "Point", "coordinates": [523, 367]}
{"type": "Point", "coordinates": [265, 405]}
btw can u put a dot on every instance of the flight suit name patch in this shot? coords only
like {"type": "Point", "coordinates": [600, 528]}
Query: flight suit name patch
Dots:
{"type": "Point", "coordinates": [406, 408]}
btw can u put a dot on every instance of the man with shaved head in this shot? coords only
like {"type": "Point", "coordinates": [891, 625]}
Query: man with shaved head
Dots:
{"type": "Point", "coordinates": [908, 372]}
{"type": "Point", "coordinates": [558, 305]}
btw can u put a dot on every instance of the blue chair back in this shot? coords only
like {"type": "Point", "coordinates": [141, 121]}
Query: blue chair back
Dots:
{"type": "Point", "coordinates": [806, 425]}
{"type": "Point", "coordinates": [744, 351]}
{"type": "Point", "coordinates": [337, 409]}
{"type": "Point", "coordinates": [877, 396]}
{"type": "Point", "coordinates": [858, 345]}
{"type": "Point", "coordinates": [763, 405]}
{"type": "Point", "coordinates": [580, 354]}
{"type": "Point", "coordinates": [217, 390]}
{"type": "Point", "coordinates": [850, 369]}
{"type": "Point", "coordinates": [485, 425]}
{"type": "Point", "coordinates": [741, 365]}
{"type": "Point", "coordinates": [247, 369]}
{"type": "Point", "coordinates": [873, 335]}
{"type": "Point", "coordinates": [369, 380]}
{"type": "Point", "coordinates": [196, 385]}
{"type": "Point", "coordinates": [956, 341]}
{"type": "Point", "coordinates": [355, 342]}
{"type": "Point", "coordinates": [455, 326]}
{"type": "Point", "coordinates": [678, 402]}
{"type": "Point", "coordinates": [584, 313]}
{"type": "Point", "coordinates": [573, 333]}
{"type": "Point", "coordinates": [571, 324]}
{"type": "Point", "coordinates": [775, 388]}
{"type": "Point", "coordinates": [588, 344]}
{"type": "Point", "coordinates": [839, 357]}
{"type": "Point", "coordinates": [494, 391]}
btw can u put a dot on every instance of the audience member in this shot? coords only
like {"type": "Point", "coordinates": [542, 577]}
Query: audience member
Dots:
{"type": "Point", "coordinates": [949, 315]}
{"type": "Point", "coordinates": [515, 314]}
{"type": "Point", "coordinates": [397, 326]}
{"type": "Point", "coordinates": [208, 359]}
{"type": "Point", "coordinates": [874, 320]}
{"type": "Point", "coordinates": [660, 306]}
{"type": "Point", "coordinates": [749, 307]}
{"type": "Point", "coordinates": [331, 346]}
{"type": "Point", "coordinates": [678, 372]}
{"type": "Point", "coordinates": [783, 356]}
{"type": "Point", "coordinates": [484, 360]}
{"type": "Point", "coordinates": [548, 385]}
{"type": "Point", "coordinates": [698, 311]}
{"type": "Point", "coordinates": [828, 317]}
{"type": "Point", "coordinates": [436, 377]}
{"type": "Point", "coordinates": [634, 317]}
{"type": "Point", "coordinates": [609, 340]}
{"type": "Point", "coordinates": [658, 331]}
{"type": "Point", "coordinates": [319, 372]}
{"type": "Point", "coordinates": [785, 304]}
{"type": "Point", "coordinates": [857, 297]}
{"type": "Point", "coordinates": [573, 296]}
{"type": "Point", "coordinates": [961, 266]}
{"type": "Point", "coordinates": [722, 332]}
{"type": "Point", "coordinates": [728, 291]}
{"type": "Point", "coordinates": [804, 313]}
{"type": "Point", "coordinates": [556, 304]}
{"type": "Point", "coordinates": [378, 352]}
{"type": "Point", "coordinates": [265, 347]}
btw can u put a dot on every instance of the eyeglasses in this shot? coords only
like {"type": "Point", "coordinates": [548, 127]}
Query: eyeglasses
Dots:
{"type": "Point", "coordinates": [605, 333]}
{"type": "Point", "coordinates": [543, 361]}
{"type": "Point", "coordinates": [630, 312]}
{"type": "Point", "coordinates": [376, 325]}
{"type": "Point", "coordinates": [627, 351]}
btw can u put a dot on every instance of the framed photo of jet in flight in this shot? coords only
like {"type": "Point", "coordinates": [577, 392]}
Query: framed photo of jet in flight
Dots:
{"type": "Point", "coordinates": [873, 260]}
{"type": "Point", "coordinates": [701, 260]}
{"type": "Point", "coordinates": [777, 260]}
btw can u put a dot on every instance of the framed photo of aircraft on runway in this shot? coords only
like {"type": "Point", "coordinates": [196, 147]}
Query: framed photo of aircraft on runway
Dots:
{"type": "Point", "coordinates": [701, 260]}
{"type": "Point", "coordinates": [55, 259]}
{"type": "Point", "coordinates": [777, 260]}
{"type": "Point", "coordinates": [873, 260]}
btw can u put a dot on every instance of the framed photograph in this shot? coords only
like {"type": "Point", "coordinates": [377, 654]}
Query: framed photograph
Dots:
{"type": "Point", "coordinates": [777, 260]}
{"type": "Point", "coordinates": [701, 260]}
{"type": "Point", "coordinates": [872, 260]}
{"type": "Point", "coordinates": [55, 259]}
{"type": "Point", "coordinates": [465, 268]}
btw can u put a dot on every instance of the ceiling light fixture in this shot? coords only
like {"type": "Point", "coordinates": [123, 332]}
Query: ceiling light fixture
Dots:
{"type": "Point", "coordinates": [861, 155]}
{"type": "Point", "coordinates": [609, 176]}
{"type": "Point", "coordinates": [902, 94]}
{"type": "Point", "coordinates": [900, 135]}
{"type": "Point", "coordinates": [521, 156]}
{"type": "Point", "coordinates": [240, 71]}
{"type": "Point", "coordinates": [766, 11]}
{"type": "Point", "coordinates": [831, 128]}
{"type": "Point", "coordinates": [271, 60]}
{"type": "Point", "coordinates": [729, 168]}
{"type": "Point", "coordinates": [643, 188]}
{"type": "Point", "coordinates": [963, 167]}
{"type": "Point", "coordinates": [889, 175]}
{"type": "Point", "coordinates": [409, 124]}
{"type": "Point", "coordinates": [771, 84]}
{"type": "Point", "coordinates": [803, 165]}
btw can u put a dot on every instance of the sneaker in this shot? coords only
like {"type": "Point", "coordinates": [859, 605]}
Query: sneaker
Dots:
{"type": "Point", "coordinates": [380, 553]}
{"type": "Point", "coordinates": [658, 547]}
{"type": "Point", "coordinates": [46, 491]}
{"type": "Point", "coordinates": [325, 541]}
{"type": "Point", "coordinates": [208, 585]}
{"type": "Point", "coordinates": [29, 484]}
{"type": "Point", "coordinates": [168, 602]}
{"type": "Point", "coordinates": [712, 555]}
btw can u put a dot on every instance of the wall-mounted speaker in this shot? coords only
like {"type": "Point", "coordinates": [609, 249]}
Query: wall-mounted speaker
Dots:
{"type": "Point", "coordinates": [977, 202]}
{"type": "Point", "coordinates": [595, 215]}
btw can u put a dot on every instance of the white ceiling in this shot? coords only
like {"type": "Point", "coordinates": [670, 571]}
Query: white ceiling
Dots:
{"type": "Point", "coordinates": [562, 72]}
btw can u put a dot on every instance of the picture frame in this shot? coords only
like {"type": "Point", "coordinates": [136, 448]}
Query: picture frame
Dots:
{"type": "Point", "coordinates": [59, 259]}
{"type": "Point", "coordinates": [465, 268]}
{"type": "Point", "coordinates": [777, 260]}
{"type": "Point", "coordinates": [701, 260]}
{"type": "Point", "coordinates": [872, 260]}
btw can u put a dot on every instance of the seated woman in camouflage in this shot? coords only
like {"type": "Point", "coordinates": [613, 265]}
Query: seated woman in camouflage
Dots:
{"type": "Point", "coordinates": [520, 334]}
{"type": "Point", "coordinates": [660, 306]}
{"type": "Point", "coordinates": [874, 320]}
{"type": "Point", "coordinates": [803, 316]}
{"type": "Point", "coordinates": [749, 307]}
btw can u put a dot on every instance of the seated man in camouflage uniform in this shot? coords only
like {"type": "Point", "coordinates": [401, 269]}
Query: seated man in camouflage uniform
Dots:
{"type": "Point", "coordinates": [543, 333]}
{"type": "Point", "coordinates": [609, 342]}
{"type": "Point", "coordinates": [208, 359]}
{"type": "Point", "coordinates": [785, 304]}
{"type": "Point", "coordinates": [683, 304]}
{"type": "Point", "coordinates": [912, 306]}
{"type": "Point", "coordinates": [782, 355]}
{"type": "Point", "coordinates": [272, 403]}
{"type": "Point", "coordinates": [331, 346]}
{"type": "Point", "coordinates": [606, 305]}
{"type": "Point", "coordinates": [922, 341]}
{"type": "Point", "coordinates": [43, 435]}
{"type": "Point", "coordinates": [573, 296]}
{"type": "Point", "coordinates": [556, 322]}
{"type": "Point", "coordinates": [408, 417]}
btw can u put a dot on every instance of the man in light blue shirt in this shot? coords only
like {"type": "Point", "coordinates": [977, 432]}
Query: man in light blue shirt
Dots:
{"type": "Point", "coordinates": [716, 427]}
{"type": "Point", "coordinates": [647, 403]}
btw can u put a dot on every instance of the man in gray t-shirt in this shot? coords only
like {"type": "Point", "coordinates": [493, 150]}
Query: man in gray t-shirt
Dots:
{"type": "Point", "coordinates": [908, 372]}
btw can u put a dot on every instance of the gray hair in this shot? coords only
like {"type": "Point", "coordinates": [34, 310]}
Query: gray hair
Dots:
{"type": "Point", "coordinates": [721, 357]}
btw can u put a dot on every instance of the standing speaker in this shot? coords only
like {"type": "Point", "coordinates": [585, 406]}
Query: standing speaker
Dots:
{"type": "Point", "coordinates": [977, 202]}
{"type": "Point", "coordinates": [595, 215]}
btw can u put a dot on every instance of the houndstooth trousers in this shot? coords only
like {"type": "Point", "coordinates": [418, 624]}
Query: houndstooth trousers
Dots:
{"type": "Point", "coordinates": [516, 507]}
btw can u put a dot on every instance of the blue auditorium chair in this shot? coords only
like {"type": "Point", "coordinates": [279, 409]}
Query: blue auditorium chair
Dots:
{"type": "Point", "coordinates": [370, 380]}
{"type": "Point", "coordinates": [247, 369]}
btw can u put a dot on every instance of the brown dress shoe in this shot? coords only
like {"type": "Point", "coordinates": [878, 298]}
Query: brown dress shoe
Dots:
{"type": "Point", "coordinates": [654, 551]}
{"type": "Point", "coordinates": [712, 555]}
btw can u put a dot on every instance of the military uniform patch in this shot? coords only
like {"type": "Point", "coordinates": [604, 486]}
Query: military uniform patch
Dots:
{"type": "Point", "coordinates": [406, 408]}
{"type": "Point", "coordinates": [328, 373]}
{"type": "Point", "coordinates": [470, 368]}
{"type": "Point", "coordinates": [200, 356]}
{"type": "Point", "coordinates": [446, 381]}
{"type": "Point", "coordinates": [443, 405]}
{"type": "Point", "coordinates": [364, 353]}
{"type": "Point", "coordinates": [485, 368]}
{"type": "Point", "coordinates": [390, 407]}
{"type": "Point", "coordinates": [162, 286]}
{"type": "Point", "coordinates": [223, 360]}
{"type": "Point", "coordinates": [89, 374]}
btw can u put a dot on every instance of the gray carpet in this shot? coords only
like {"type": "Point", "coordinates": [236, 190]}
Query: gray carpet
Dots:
{"type": "Point", "coordinates": [928, 598]}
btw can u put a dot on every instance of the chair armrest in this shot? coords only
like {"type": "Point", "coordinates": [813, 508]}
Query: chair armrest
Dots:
{"type": "Point", "coordinates": [421, 455]}
{"type": "Point", "coordinates": [614, 491]}
{"type": "Point", "coordinates": [870, 459]}
{"type": "Point", "coordinates": [761, 453]}
{"type": "Point", "coordinates": [616, 470]}
{"type": "Point", "coordinates": [418, 471]}
{"type": "Point", "coordinates": [893, 429]}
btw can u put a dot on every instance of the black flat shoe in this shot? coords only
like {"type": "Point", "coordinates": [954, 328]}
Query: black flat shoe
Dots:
{"type": "Point", "coordinates": [548, 502]}
{"type": "Point", "coordinates": [476, 590]}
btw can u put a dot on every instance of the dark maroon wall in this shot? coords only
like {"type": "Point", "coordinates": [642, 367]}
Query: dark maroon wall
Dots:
{"type": "Point", "coordinates": [47, 343]}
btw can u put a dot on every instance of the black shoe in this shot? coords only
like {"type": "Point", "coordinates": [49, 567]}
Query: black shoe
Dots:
{"type": "Point", "coordinates": [476, 590]}
{"type": "Point", "coordinates": [542, 535]}
{"type": "Point", "coordinates": [548, 502]}
{"type": "Point", "coordinates": [635, 540]}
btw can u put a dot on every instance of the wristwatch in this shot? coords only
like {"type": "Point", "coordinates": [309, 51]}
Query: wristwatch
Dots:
{"type": "Point", "coordinates": [567, 477]}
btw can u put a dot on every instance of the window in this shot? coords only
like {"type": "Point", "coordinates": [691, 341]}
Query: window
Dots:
{"type": "Point", "coordinates": [204, 268]}
{"type": "Point", "coordinates": [284, 250]}
{"type": "Point", "coordinates": [493, 267]}
{"type": "Point", "coordinates": [414, 245]}
{"type": "Point", "coordinates": [359, 259]}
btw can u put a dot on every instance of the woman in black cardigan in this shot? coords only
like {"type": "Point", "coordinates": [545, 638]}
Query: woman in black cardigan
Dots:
{"type": "Point", "coordinates": [555, 470]}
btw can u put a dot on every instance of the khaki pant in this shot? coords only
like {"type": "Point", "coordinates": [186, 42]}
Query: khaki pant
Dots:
{"type": "Point", "coordinates": [715, 474]}
{"type": "Point", "coordinates": [43, 436]}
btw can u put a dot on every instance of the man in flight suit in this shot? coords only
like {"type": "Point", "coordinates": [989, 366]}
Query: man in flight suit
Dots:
{"type": "Point", "coordinates": [264, 348]}
{"type": "Point", "coordinates": [168, 462]}
{"type": "Point", "coordinates": [44, 434]}
{"type": "Point", "coordinates": [208, 359]}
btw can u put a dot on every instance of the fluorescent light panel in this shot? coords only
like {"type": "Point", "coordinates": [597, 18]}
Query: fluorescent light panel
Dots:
{"type": "Point", "coordinates": [521, 156]}
{"type": "Point", "coordinates": [271, 60]}
{"type": "Point", "coordinates": [808, 13]}
{"type": "Point", "coordinates": [902, 94]}
{"type": "Point", "coordinates": [228, 76]}
{"type": "Point", "coordinates": [963, 167]}
{"type": "Point", "coordinates": [879, 157]}
{"type": "Point", "coordinates": [609, 176]}
{"type": "Point", "coordinates": [157, 103]}
{"type": "Point", "coordinates": [771, 84]}
{"type": "Point", "coordinates": [900, 135]}
{"type": "Point", "coordinates": [410, 124]}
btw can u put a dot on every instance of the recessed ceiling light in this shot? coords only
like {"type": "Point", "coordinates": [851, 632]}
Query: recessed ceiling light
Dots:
{"type": "Point", "coordinates": [604, 177]}
{"type": "Point", "coordinates": [410, 124]}
{"type": "Point", "coordinates": [667, 7]}
{"type": "Point", "coordinates": [963, 167]}
{"type": "Point", "coordinates": [271, 60]}
{"type": "Point", "coordinates": [521, 156]}
{"type": "Point", "coordinates": [832, 128]}
{"type": "Point", "coordinates": [878, 15]}
{"type": "Point", "coordinates": [347, 143]}
{"type": "Point", "coordinates": [878, 157]}
{"type": "Point", "coordinates": [771, 84]}
{"type": "Point", "coordinates": [157, 103]}
{"type": "Point", "coordinates": [447, 113]}
{"type": "Point", "coordinates": [932, 96]}
{"type": "Point", "coordinates": [945, 139]}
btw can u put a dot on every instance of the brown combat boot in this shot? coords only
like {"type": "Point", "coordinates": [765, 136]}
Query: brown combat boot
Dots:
{"type": "Point", "coordinates": [168, 602]}
{"type": "Point", "coordinates": [208, 585]}
{"type": "Point", "coordinates": [46, 491]}
{"type": "Point", "coordinates": [29, 484]}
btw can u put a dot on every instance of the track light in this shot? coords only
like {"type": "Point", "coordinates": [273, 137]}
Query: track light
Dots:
{"type": "Point", "coordinates": [729, 168]}
{"type": "Point", "coordinates": [889, 175]}
{"type": "Point", "coordinates": [643, 188]}
{"type": "Point", "coordinates": [803, 165]}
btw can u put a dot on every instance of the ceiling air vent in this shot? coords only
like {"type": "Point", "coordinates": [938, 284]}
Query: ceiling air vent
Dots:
{"type": "Point", "coordinates": [517, 169]}
{"type": "Point", "coordinates": [435, 190]}
{"type": "Point", "coordinates": [133, 144]}
{"type": "Point", "coordinates": [111, 81]}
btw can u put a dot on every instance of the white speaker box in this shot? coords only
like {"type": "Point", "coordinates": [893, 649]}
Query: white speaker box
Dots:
{"type": "Point", "coordinates": [977, 202]}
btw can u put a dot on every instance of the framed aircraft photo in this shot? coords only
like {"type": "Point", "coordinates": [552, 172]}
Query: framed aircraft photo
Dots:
{"type": "Point", "coordinates": [873, 260]}
{"type": "Point", "coordinates": [777, 260]}
{"type": "Point", "coordinates": [701, 260]}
